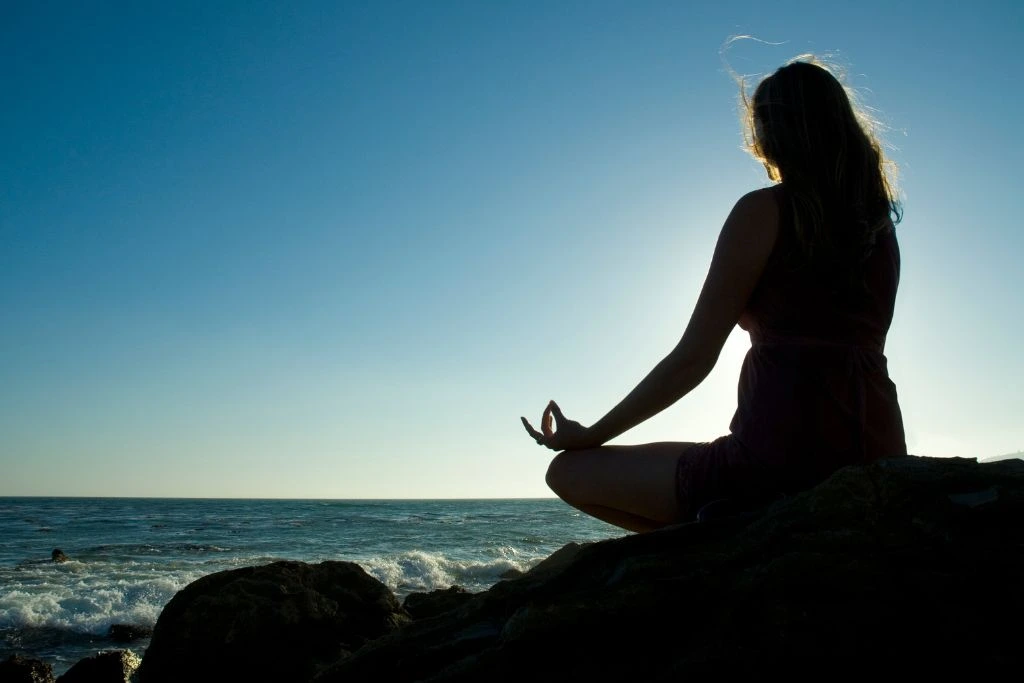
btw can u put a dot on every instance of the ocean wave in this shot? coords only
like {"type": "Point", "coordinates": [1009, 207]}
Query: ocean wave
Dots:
{"type": "Point", "coordinates": [422, 571]}
{"type": "Point", "coordinates": [122, 549]}
{"type": "Point", "coordinates": [91, 614]}
{"type": "Point", "coordinates": [84, 599]}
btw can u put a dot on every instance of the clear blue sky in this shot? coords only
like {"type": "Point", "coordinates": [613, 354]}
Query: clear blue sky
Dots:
{"type": "Point", "coordinates": [334, 249]}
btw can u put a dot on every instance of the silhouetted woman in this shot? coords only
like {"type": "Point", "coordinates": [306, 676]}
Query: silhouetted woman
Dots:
{"type": "Point", "coordinates": [809, 267]}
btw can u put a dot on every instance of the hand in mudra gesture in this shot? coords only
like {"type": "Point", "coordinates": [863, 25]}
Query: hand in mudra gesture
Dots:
{"type": "Point", "coordinates": [558, 432]}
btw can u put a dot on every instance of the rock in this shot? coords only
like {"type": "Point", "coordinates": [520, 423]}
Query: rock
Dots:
{"type": "Point", "coordinates": [557, 560]}
{"type": "Point", "coordinates": [552, 562]}
{"type": "Point", "coordinates": [425, 605]}
{"type": "Point", "coordinates": [278, 622]}
{"type": "Point", "coordinates": [906, 565]}
{"type": "Point", "coordinates": [115, 666]}
{"type": "Point", "coordinates": [18, 669]}
{"type": "Point", "coordinates": [58, 556]}
{"type": "Point", "coordinates": [126, 633]}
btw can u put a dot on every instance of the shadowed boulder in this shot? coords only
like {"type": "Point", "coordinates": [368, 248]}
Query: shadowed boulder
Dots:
{"type": "Point", "coordinates": [424, 605]}
{"type": "Point", "coordinates": [278, 622]}
{"type": "Point", "coordinates": [18, 669]}
{"type": "Point", "coordinates": [116, 666]}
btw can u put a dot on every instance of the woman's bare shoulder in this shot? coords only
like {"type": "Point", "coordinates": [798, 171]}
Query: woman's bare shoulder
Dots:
{"type": "Point", "coordinates": [757, 211]}
{"type": "Point", "coordinates": [763, 198]}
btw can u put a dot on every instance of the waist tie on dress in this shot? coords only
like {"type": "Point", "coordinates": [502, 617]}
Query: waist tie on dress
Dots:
{"type": "Point", "coordinates": [771, 340]}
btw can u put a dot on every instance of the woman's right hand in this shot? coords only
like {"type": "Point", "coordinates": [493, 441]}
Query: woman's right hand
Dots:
{"type": "Point", "coordinates": [560, 433]}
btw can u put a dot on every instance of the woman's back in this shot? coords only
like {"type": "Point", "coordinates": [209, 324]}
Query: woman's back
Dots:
{"type": "Point", "coordinates": [814, 391]}
{"type": "Point", "coordinates": [797, 302]}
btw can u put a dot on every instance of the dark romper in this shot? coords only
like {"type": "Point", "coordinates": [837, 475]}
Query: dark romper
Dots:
{"type": "Point", "coordinates": [814, 393]}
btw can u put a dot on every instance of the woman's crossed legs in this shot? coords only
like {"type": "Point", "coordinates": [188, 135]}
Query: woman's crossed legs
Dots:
{"type": "Point", "coordinates": [633, 487]}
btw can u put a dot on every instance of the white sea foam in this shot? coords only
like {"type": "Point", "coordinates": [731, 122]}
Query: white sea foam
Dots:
{"type": "Point", "coordinates": [85, 599]}
{"type": "Point", "coordinates": [419, 570]}
{"type": "Point", "coordinates": [90, 597]}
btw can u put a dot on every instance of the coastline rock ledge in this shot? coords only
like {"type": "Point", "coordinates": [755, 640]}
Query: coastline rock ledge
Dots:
{"type": "Point", "coordinates": [913, 564]}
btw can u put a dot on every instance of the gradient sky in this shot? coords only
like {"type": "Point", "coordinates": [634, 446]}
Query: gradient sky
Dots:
{"type": "Point", "coordinates": [336, 250]}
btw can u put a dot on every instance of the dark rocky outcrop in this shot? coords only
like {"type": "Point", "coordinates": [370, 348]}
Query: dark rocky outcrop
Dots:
{"type": "Point", "coordinates": [115, 666]}
{"type": "Point", "coordinates": [908, 565]}
{"type": "Point", "coordinates": [424, 605]}
{"type": "Point", "coordinates": [278, 622]}
{"type": "Point", "coordinates": [58, 556]}
{"type": "Point", "coordinates": [18, 669]}
{"type": "Point", "coordinates": [905, 566]}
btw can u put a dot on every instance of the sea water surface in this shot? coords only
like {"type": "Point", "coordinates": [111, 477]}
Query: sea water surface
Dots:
{"type": "Point", "coordinates": [128, 557]}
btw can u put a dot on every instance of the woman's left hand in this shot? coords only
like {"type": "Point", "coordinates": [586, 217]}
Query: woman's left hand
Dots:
{"type": "Point", "coordinates": [560, 433]}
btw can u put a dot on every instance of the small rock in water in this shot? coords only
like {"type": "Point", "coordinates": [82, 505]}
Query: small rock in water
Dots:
{"type": "Point", "coordinates": [58, 555]}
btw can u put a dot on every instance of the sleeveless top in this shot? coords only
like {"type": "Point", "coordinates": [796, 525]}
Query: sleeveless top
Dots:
{"type": "Point", "coordinates": [814, 391]}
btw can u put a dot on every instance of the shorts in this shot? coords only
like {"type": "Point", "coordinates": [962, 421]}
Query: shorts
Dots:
{"type": "Point", "coordinates": [718, 470]}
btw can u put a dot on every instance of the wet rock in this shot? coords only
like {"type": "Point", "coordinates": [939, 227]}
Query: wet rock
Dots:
{"type": "Point", "coordinates": [278, 622]}
{"type": "Point", "coordinates": [425, 605]}
{"type": "Point", "coordinates": [18, 669]}
{"type": "Point", "coordinates": [58, 556]}
{"type": "Point", "coordinates": [115, 666]}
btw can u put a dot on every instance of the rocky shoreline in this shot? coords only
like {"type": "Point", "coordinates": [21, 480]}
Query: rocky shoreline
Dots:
{"type": "Point", "coordinates": [912, 564]}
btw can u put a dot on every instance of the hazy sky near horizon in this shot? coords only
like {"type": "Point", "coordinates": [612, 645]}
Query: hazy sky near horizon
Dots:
{"type": "Point", "coordinates": [335, 250]}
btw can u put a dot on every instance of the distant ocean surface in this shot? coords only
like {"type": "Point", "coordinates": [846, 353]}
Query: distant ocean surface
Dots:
{"type": "Point", "coordinates": [128, 557]}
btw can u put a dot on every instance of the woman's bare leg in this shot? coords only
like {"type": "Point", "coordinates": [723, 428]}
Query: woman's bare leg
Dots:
{"type": "Point", "coordinates": [633, 487]}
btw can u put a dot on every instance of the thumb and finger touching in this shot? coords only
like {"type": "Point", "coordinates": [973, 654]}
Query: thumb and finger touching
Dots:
{"type": "Point", "coordinates": [550, 421]}
{"type": "Point", "coordinates": [553, 418]}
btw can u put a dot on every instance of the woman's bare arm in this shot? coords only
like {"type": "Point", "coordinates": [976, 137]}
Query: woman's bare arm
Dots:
{"type": "Point", "coordinates": [743, 248]}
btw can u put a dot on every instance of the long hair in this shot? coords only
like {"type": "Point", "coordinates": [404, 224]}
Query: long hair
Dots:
{"type": "Point", "coordinates": [803, 125]}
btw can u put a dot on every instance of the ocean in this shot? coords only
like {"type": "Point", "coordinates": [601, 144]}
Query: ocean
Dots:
{"type": "Point", "coordinates": [128, 557]}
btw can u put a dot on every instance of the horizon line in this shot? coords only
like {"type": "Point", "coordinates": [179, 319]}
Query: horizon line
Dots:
{"type": "Point", "coordinates": [342, 500]}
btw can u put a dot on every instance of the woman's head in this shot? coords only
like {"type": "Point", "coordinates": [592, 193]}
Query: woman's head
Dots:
{"type": "Point", "coordinates": [804, 126]}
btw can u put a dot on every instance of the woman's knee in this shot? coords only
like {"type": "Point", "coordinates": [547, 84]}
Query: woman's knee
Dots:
{"type": "Point", "coordinates": [560, 474]}
{"type": "Point", "coordinates": [553, 478]}
{"type": "Point", "coordinates": [571, 474]}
